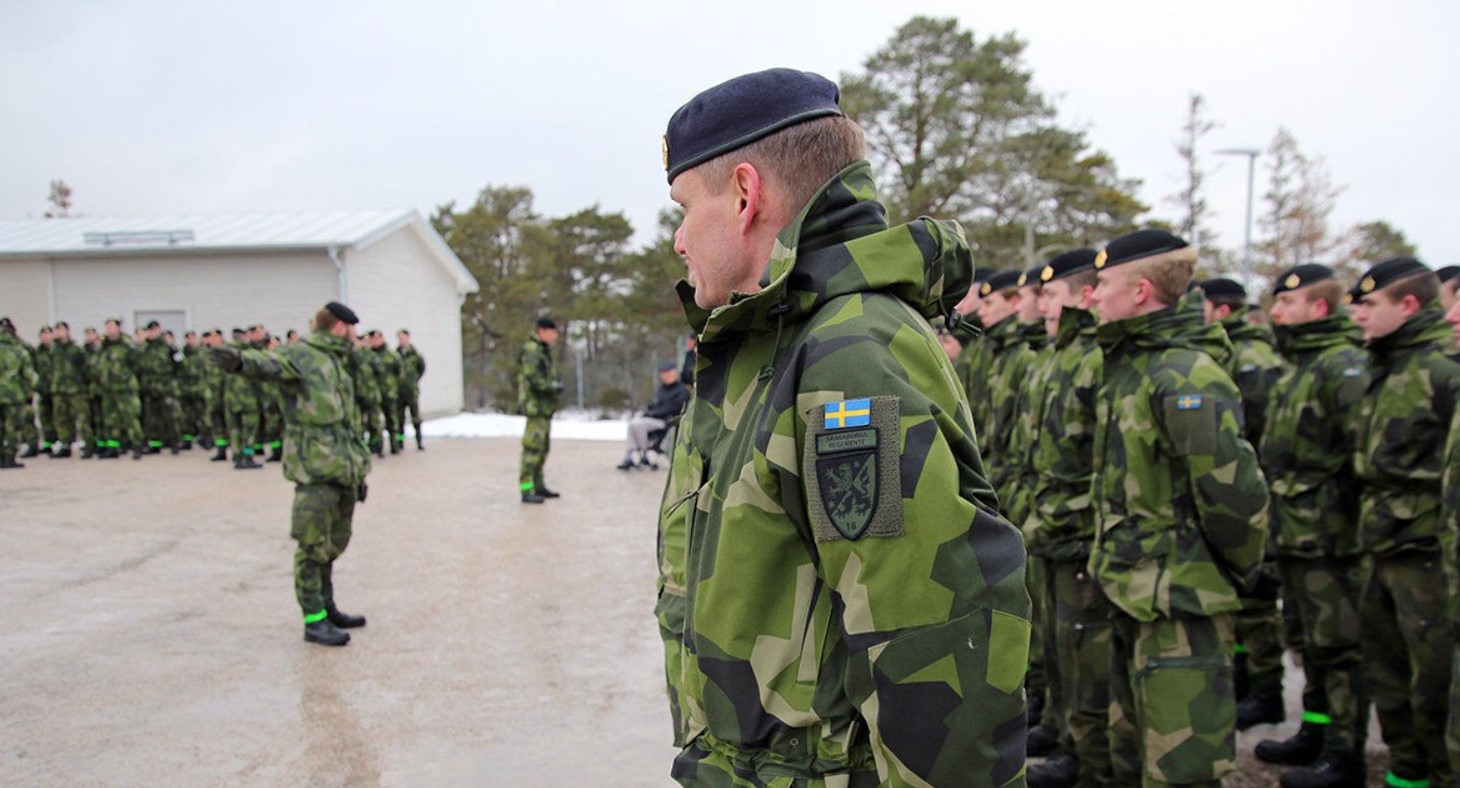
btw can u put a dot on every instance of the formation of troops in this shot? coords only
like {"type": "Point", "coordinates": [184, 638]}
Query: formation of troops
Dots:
{"type": "Point", "coordinates": [114, 393]}
{"type": "Point", "coordinates": [1177, 472]}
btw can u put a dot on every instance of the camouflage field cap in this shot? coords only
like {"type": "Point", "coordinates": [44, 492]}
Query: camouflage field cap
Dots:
{"type": "Point", "coordinates": [736, 113]}
{"type": "Point", "coordinates": [1067, 264]}
{"type": "Point", "coordinates": [999, 281]}
{"type": "Point", "coordinates": [1301, 276]}
{"type": "Point", "coordinates": [1387, 273]}
{"type": "Point", "coordinates": [1138, 245]}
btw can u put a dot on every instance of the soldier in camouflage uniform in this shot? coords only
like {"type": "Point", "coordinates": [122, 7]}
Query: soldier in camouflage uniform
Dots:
{"type": "Point", "coordinates": [1181, 512]}
{"type": "Point", "coordinates": [241, 397]}
{"type": "Point", "coordinates": [1402, 425]}
{"type": "Point", "coordinates": [155, 373]}
{"type": "Point", "coordinates": [324, 459]}
{"type": "Point", "coordinates": [68, 393]}
{"type": "Point", "coordinates": [1306, 455]}
{"type": "Point", "coordinates": [1450, 540]}
{"type": "Point", "coordinates": [271, 413]}
{"type": "Point", "coordinates": [192, 374]}
{"type": "Point", "coordinates": [537, 399]}
{"type": "Point", "coordinates": [844, 605]}
{"type": "Point", "coordinates": [18, 380]}
{"type": "Point", "coordinates": [1060, 525]}
{"type": "Point", "coordinates": [215, 403]}
{"type": "Point", "coordinates": [412, 367]}
{"type": "Point", "coordinates": [1254, 366]}
{"type": "Point", "coordinates": [390, 380]}
{"type": "Point", "coordinates": [38, 418]}
{"type": "Point", "coordinates": [116, 381]}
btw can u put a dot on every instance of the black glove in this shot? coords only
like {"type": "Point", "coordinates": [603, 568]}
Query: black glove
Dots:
{"type": "Point", "coordinates": [361, 491]}
{"type": "Point", "coordinates": [229, 359]}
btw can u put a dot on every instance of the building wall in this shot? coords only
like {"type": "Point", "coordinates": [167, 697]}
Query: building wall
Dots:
{"type": "Point", "coordinates": [25, 295]}
{"type": "Point", "coordinates": [396, 283]}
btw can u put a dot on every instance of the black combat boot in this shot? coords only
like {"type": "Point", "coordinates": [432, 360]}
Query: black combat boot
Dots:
{"type": "Point", "coordinates": [1061, 770]}
{"type": "Point", "coordinates": [87, 451]}
{"type": "Point", "coordinates": [528, 496]}
{"type": "Point", "coordinates": [137, 452]}
{"type": "Point", "coordinates": [31, 450]}
{"type": "Point", "coordinates": [1331, 771]}
{"type": "Point", "coordinates": [325, 633]}
{"type": "Point", "coordinates": [61, 453]}
{"type": "Point", "coordinates": [1043, 741]}
{"type": "Point", "coordinates": [108, 453]}
{"type": "Point", "coordinates": [419, 445]}
{"type": "Point", "coordinates": [220, 455]}
{"type": "Point", "coordinates": [394, 447]}
{"type": "Point", "coordinates": [1302, 749]}
{"type": "Point", "coordinates": [277, 454]}
{"type": "Point", "coordinates": [1258, 709]}
{"type": "Point", "coordinates": [342, 620]}
{"type": "Point", "coordinates": [248, 464]}
{"type": "Point", "coordinates": [7, 462]}
{"type": "Point", "coordinates": [546, 493]}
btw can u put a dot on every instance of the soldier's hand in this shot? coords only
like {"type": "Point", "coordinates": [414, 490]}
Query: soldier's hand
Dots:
{"type": "Point", "coordinates": [361, 491]}
{"type": "Point", "coordinates": [229, 359]}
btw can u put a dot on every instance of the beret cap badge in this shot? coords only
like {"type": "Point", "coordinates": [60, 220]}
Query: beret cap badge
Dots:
{"type": "Point", "coordinates": [1100, 259]}
{"type": "Point", "coordinates": [1367, 286]}
{"type": "Point", "coordinates": [1293, 281]}
{"type": "Point", "coordinates": [985, 289]}
{"type": "Point", "coordinates": [1046, 274]}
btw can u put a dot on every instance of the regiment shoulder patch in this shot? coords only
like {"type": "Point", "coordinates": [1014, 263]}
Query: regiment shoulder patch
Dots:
{"type": "Point", "coordinates": [851, 464]}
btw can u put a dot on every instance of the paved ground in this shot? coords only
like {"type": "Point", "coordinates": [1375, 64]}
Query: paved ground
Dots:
{"type": "Point", "coordinates": [148, 633]}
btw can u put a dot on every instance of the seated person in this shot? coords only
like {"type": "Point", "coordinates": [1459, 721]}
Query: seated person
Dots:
{"type": "Point", "coordinates": [668, 402]}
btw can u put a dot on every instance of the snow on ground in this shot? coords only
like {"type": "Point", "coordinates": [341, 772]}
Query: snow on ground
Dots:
{"type": "Point", "coordinates": [567, 425]}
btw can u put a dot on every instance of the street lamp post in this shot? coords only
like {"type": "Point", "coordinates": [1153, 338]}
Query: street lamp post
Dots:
{"type": "Point", "coordinates": [1251, 154]}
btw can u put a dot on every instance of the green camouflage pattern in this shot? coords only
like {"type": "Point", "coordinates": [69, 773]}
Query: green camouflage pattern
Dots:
{"type": "Point", "coordinates": [1255, 366]}
{"type": "Point", "coordinates": [1011, 357]}
{"type": "Point", "coordinates": [1083, 652]}
{"type": "Point", "coordinates": [412, 367]}
{"type": "Point", "coordinates": [972, 369]}
{"type": "Point", "coordinates": [320, 445]}
{"type": "Point", "coordinates": [806, 656]}
{"type": "Point", "coordinates": [1403, 422]}
{"type": "Point", "coordinates": [193, 380]}
{"type": "Point", "coordinates": [1181, 505]}
{"type": "Point", "coordinates": [116, 382]}
{"type": "Point", "coordinates": [1061, 524]}
{"type": "Point", "coordinates": [1030, 403]}
{"type": "Point", "coordinates": [1172, 713]}
{"type": "Point", "coordinates": [536, 441]}
{"type": "Point", "coordinates": [321, 527]}
{"type": "Point", "coordinates": [537, 382]}
{"type": "Point", "coordinates": [1322, 595]}
{"type": "Point", "coordinates": [156, 378]}
{"type": "Point", "coordinates": [388, 367]}
{"type": "Point", "coordinates": [18, 380]}
{"type": "Point", "coordinates": [367, 396]}
{"type": "Point", "coordinates": [70, 413]}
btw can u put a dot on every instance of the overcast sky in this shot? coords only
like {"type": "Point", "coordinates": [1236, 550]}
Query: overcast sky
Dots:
{"type": "Point", "coordinates": [162, 107]}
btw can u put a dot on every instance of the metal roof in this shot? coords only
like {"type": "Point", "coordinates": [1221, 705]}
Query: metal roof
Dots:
{"type": "Point", "coordinates": [182, 233]}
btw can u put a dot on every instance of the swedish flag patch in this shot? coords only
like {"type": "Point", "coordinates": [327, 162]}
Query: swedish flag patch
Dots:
{"type": "Point", "coordinates": [847, 413]}
{"type": "Point", "coordinates": [1188, 402]}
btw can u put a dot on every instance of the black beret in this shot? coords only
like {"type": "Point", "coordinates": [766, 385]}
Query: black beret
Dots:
{"type": "Point", "coordinates": [1448, 272]}
{"type": "Point", "coordinates": [1067, 264]}
{"type": "Point", "coordinates": [668, 365]}
{"type": "Point", "coordinates": [981, 275]}
{"type": "Point", "coordinates": [1222, 287]}
{"type": "Point", "coordinates": [999, 281]}
{"type": "Point", "coordinates": [342, 313]}
{"type": "Point", "coordinates": [152, 325]}
{"type": "Point", "coordinates": [1387, 273]}
{"type": "Point", "coordinates": [736, 113]}
{"type": "Point", "coordinates": [1301, 276]}
{"type": "Point", "coordinates": [1030, 278]}
{"type": "Point", "coordinates": [547, 322]}
{"type": "Point", "coordinates": [116, 320]}
{"type": "Point", "coordinates": [1137, 246]}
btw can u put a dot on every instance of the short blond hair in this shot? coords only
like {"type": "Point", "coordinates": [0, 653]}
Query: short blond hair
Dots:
{"type": "Point", "coordinates": [800, 158]}
{"type": "Point", "coordinates": [1169, 273]}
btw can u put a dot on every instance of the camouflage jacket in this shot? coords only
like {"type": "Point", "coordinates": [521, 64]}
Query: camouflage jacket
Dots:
{"type": "Point", "coordinates": [387, 370]}
{"type": "Point", "coordinates": [367, 385]}
{"type": "Point", "coordinates": [115, 367]}
{"type": "Point", "coordinates": [1308, 446]}
{"type": "Point", "coordinates": [1061, 523]}
{"type": "Point", "coordinates": [192, 372]}
{"type": "Point", "coordinates": [972, 369]}
{"type": "Point", "coordinates": [320, 446]}
{"type": "Point", "coordinates": [68, 368]}
{"type": "Point", "coordinates": [155, 367]}
{"type": "Point", "coordinates": [44, 360]}
{"type": "Point", "coordinates": [1181, 506]}
{"type": "Point", "coordinates": [1402, 425]}
{"type": "Point", "coordinates": [412, 367]}
{"type": "Point", "coordinates": [831, 565]}
{"type": "Point", "coordinates": [537, 383]}
{"type": "Point", "coordinates": [241, 394]}
{"type": "Point", "coordinates": [1011, 354]}
{"type": "Point", "coordinates": [17, 372]}
{"type": "Point", "coordinates": [1017, 496]}
{"type": "Point", "coordinates": [1255, 367]}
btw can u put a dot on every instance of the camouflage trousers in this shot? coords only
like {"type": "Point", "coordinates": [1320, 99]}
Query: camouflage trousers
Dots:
{"type": "Point", "coordinates": [321, 527]}
{"type": "Point", "coordinates": [194, 423]}
{"type": "Point", "coordinates": [45, 429]}
{"type": "Point", "coordinates": [1452, 730]}
{"type": "Point", "coordinates": [271, 426]}
{"type": "Point", "coordinates": [1259, 648]}
{"type": "Point", "coordinates": [1408, 645]}
{"type": "Point", "coordinates": [1082, 650]}
{"type": "Point", "coordinates": [121, 418]}
{"type": "Point", "coordinates": [390, 409]}
{"type": "Point", "coordinates": [705, 766]}
{"type": "Point", "coordinates": [243, 430]}
{"type": "Point", "coordinates": [67, 412]}
{"type": "Point", "coordinates": [410, 404]}
{"type": "Point", "coordinates": [12, 429]}
{"type": "Point", "coordinates": [536, 439]}
{"type": "Point", "coordinates": [1040, 686]}
{"type": "Point", "coordinates": [159, 419]}
{"type": "Point", "coordinates": [218, 422]}
{"type": "Point", "coordinates": [1172, 713]}
{"type": "Point", "coordinates": [1321, 598]}
{"type": "Point", "coordinates": [370, 422]}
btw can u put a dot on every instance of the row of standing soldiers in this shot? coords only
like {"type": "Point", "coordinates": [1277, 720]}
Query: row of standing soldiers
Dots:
{"type": "Point", "coordinates": [116, 393]}
{"type": "Point", "coordinates": [1352, 427]}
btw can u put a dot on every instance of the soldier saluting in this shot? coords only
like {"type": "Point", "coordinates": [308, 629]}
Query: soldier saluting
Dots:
{"type": "Point", "coordinates": [322, 456]}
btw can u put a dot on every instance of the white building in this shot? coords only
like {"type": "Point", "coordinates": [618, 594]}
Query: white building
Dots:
{"type": "Point", "coordinates": [220, 271]}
